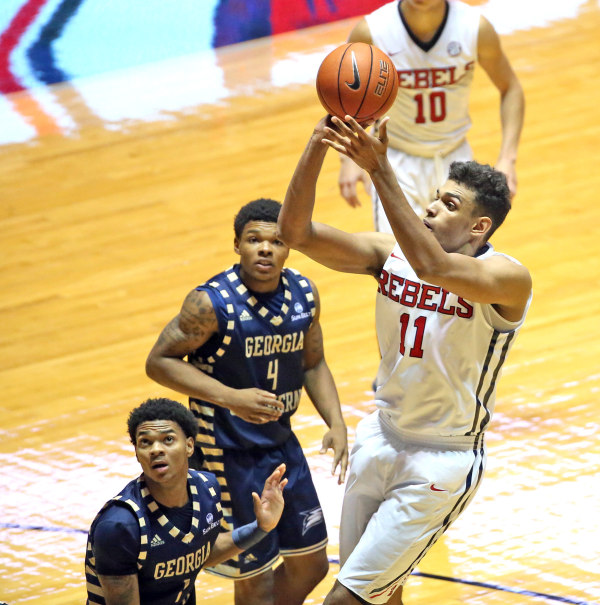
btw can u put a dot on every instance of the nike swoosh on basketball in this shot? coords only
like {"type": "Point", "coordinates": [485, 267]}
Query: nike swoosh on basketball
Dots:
{"type": "Point", "coordinates": [433, 488]}
{"type": "Point", "coordinates": [356, 84]}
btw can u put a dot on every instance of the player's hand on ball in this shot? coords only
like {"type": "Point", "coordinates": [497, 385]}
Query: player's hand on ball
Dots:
{"type": "Point", "coordinates": [351, 139]}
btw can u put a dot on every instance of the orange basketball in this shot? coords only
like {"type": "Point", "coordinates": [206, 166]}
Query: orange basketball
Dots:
{"type": "Point", "coordinates": [357, 79]}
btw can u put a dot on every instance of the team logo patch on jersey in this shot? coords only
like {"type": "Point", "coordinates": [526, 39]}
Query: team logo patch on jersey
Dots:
{"type": "Point", "coordinates": [300, 312]}
{"type": "Point", "coordinates": [311, 518]}
{"type": "Point", "coordinates": [156, 541]}
{"type": "Point", "coordinates": [209, 518]}
{"type": "Point", "coordinates": [454, 49]}
{"type": "Point", "coordinates": [245, 316]}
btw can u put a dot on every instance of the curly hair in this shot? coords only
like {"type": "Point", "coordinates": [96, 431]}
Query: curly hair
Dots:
{"type": "Point", "coordinates": [162, 409]}
{"type": "Point", "coordinates": [492, 195]}
{"type": "Point", "coordinates": [263, 209]}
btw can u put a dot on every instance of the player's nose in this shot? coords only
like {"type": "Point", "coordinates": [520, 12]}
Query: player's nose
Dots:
{"type": "Point", "coordinates": [432, 209]}
{"type": "Point", "coordinates": [265, 247]}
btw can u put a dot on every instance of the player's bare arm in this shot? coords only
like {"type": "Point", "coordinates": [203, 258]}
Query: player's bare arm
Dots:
{"type": "Point", "coordinates": [120, 590]}
{"type": "Point", "coordinates": [363, 253]}
{"type": "Point", "coordinates": [361, 32]}
{"type": "Point", "coordinates": [512, 100]}
{"type": "Point", "coordinates": [267, 508]}
{"type": "Point", "coordinates": [321, 389]}
{"type": "Point", "coordinates": [496, 281]}
{"type": "Point", "coordinates": [190, 329]}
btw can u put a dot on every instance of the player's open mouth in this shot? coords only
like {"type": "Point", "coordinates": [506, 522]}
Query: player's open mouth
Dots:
{"type": "Point", "coordinates": [427, 225]}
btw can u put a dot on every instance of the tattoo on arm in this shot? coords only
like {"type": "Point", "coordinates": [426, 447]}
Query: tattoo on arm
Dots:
{"type": "Point", "coordinates": [194, 325]}
{"type": "Point", "coordinates": [120, 590]}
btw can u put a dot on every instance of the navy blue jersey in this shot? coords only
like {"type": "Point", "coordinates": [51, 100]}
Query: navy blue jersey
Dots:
{"type": "Point", "coordinates": [260, 344]}
{"type": "Point", "coordinates": [168, 558]}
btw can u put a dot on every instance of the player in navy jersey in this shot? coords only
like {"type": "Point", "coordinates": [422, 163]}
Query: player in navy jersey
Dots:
{"type": "Point", "coordinates": [243, 346]}
{"type": "Point", "coordinates": [148, 543]}
{"type": "Point", "coordinates": [435, 46]}
{"type": "Point", "coordinates": [448, 308]}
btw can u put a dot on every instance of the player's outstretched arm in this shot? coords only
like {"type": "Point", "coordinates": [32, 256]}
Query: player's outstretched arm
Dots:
{"type": "Point", "coordinates": [497, 281]}
{"type": "Point", "coordinates": [362, 253]}
{"type": "Point", "coordinates": [267, 508]}
{"type": "Point", "coordinates": [269, 505]}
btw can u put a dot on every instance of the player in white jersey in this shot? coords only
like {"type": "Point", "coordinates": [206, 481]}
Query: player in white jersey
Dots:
{"type": "Point", "coordinates": [448, 309]}
{"type": "Point", "coordinates": [435, 45]}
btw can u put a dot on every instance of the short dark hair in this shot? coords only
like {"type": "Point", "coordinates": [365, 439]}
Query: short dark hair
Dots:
{"type": "Point", "coordinates": [263, 209]}
{"type": "Point", "coordinates": [162, 409]}
{"type": "Point", "coordinates": [492, 195]}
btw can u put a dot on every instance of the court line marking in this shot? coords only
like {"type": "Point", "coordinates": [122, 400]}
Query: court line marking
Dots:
{"type": "Point", "coordinates": [491, 585]}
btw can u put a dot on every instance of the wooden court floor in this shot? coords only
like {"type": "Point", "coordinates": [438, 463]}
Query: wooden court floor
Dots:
{"type": "Point", "coordinates": [105, 228]}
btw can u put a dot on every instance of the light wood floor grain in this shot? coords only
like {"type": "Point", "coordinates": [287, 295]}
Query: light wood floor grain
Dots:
{"type": "Point", "coordinates": [106, 227]}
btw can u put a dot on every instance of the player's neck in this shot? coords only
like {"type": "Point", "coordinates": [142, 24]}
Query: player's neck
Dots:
{"type": "Point", "coordinates": [171, 495]}
{"type": "Point", "coordinates": [424, 24]}
{"type": "Point", "coordinates": [260, 286]}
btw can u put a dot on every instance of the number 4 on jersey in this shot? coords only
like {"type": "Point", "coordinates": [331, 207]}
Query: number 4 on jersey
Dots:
{"type": "Point", "coordinates": [272, 372]}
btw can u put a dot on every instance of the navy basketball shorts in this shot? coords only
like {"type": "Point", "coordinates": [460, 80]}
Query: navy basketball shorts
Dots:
{"type": "Point", "coordinates": [301, 529]}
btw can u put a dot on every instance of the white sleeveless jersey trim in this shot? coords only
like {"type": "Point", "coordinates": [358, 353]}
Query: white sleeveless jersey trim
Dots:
{"type": "Point", "coordinates": [442, 356]}
{"type": "Point", "coordinates": [431, 112]}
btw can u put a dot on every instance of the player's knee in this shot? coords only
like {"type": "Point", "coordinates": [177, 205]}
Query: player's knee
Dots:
{"type": "Point", "coordinates": [257, 590]}
{"type": "Point", "coordinates": [318, 569]}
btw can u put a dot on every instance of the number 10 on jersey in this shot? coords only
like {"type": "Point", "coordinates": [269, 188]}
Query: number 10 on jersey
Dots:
{"type": "Point", "coordinates": [431, 107]}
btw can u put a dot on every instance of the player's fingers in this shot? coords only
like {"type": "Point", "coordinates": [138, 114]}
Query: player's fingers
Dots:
{"type": "Point", "coordinates": [356, 128]}
{"type": "Point", "coordinates": [343, 468]}
{"type": "Point", "coordinates": [342, 125]}
{"type": "Point", "coordinates": [335, 145]}
{"type": "Point", "coordinates": [383, 129]}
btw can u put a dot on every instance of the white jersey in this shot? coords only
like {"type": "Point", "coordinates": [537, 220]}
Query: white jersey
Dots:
{"type": "Point", "coordinates": [431, 112]}
{"type": "Point", "coordinates": [442, 357]}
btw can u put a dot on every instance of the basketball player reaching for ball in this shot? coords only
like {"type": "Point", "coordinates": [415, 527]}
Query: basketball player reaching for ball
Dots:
{"type": "Point", "coordinates": [252, 339]}
{"type": "Point", "coordinates": [447, 310]}
{"type": "Point", "coordinates": [435, 45]}
{"type": "Point", "coordinates": [148, 544]}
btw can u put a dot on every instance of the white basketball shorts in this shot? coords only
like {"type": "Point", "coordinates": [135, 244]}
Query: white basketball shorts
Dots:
{"type": "Point", "coordinates": [399, 499]}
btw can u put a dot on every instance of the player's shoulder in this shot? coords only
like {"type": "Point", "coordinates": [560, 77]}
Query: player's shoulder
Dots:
{"type": "Point", "coordinates": [306, 284]}
{"type": "Point", "coordinates": [117, 513]}
{"type": "Point", "coordinates": [508, 265]}
{"type": "Point", "coordinates": [206, 480]}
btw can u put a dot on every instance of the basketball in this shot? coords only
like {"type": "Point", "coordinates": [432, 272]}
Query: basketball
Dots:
{"type": "Point", "coordinates": [357, 79]}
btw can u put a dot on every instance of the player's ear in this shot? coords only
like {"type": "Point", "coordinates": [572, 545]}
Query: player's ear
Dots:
{"type": "Point", "coordinates": [482, 225]}
{"type": "Point", "coordinates": [189, 446]}
{"type": "Point", "coordinates": [236, 245]}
